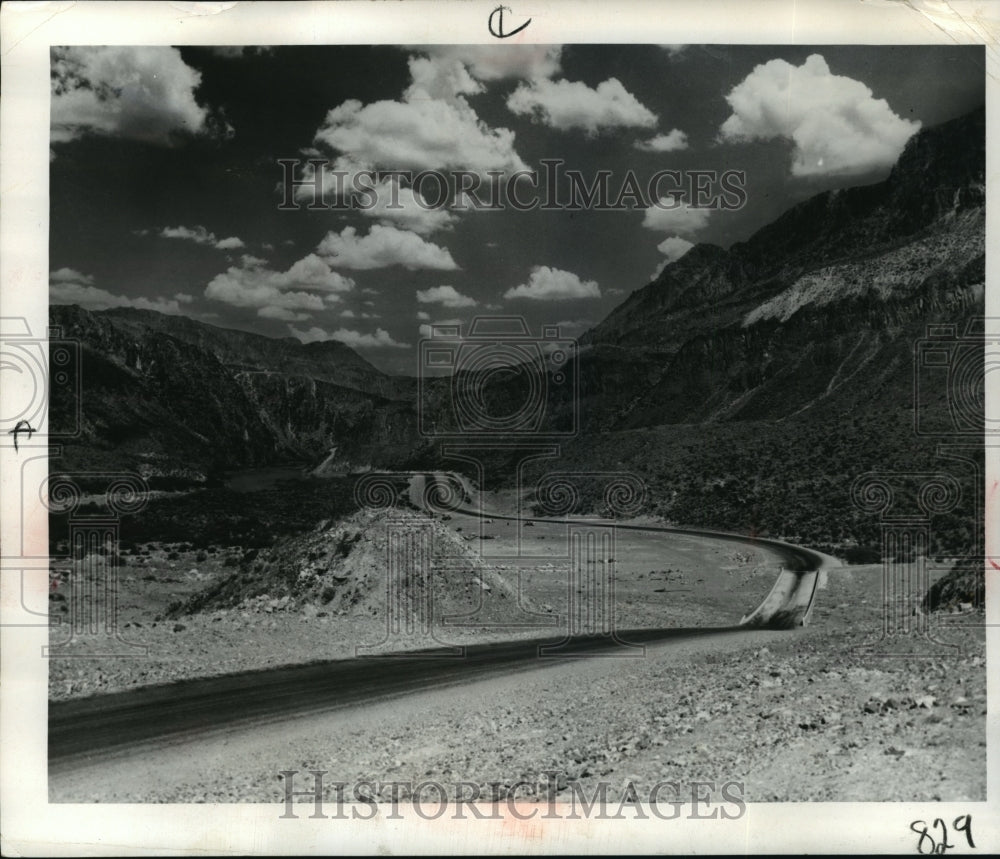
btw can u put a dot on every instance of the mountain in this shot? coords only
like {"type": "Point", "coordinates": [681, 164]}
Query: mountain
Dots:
{"type": "Point", "coordinates": [748, 386]}
{"type": "Point", "coordinates": [176, 398]}
{"type": "Point", "coordinates": [327, 361]}
{"type": "Point", "coordinates": [789, 317]}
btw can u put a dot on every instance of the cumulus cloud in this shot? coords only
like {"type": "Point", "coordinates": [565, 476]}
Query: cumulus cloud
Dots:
{"type": "Point", "coordinates": [383, 246]}
{"type": "Point", "coordinates": [410, 211]}
{"type": "Point", "coordinates": [675, 216]}
{"type": "Point", "coordinates": [389, 201]}
{"type": "Point", "coordinates": [380, 339]}
{"type": "Point", "coordinates": [231, 243]}
{"type": "Point", "coordinates": [432, 128]}
{"type": "Point", "coordinates": [439, 78]}
{"type": "Point", "coordinates": [553, 284]}
{"type": "Point", "coordinates": [68, 286]}
{"type": "Point", "coordinates": [672, 248]}
{"type": "Point", "coordinates": [446, 296]}
{"type": "Point", "coordinates": [496, 62]}
{"type": "Point", "coordinates": [674, 141]}
{"type": "Point", "coordinates": [305, 288]}
{"type": "Point", "coordinates": [565, 105]}
{"type": "Point", "coordinates": [140, 93]}
{"type": "Point", "coordinates": [837, 126]}
{"type": "Point", "coordinates": [200, 235]}
{"type": "Point", "coordinates": [70, 275]}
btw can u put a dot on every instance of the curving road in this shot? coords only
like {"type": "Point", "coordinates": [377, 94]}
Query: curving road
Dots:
{"type": "Point", "coordinates": [89, 729]}
{"type": "Point", "coordinates": [789, 603]}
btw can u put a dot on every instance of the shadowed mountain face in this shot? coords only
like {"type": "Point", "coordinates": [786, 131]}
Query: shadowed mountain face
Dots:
{"type": "Point", "coordinates": [784, 364]}
{"type": "Point", "coordinates": [813, 303]}
{"type": "Point", "coordinates": [177, 398]}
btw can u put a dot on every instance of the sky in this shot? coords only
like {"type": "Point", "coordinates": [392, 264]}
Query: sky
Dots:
{"type": "Point", "coordinates": [167, 190]}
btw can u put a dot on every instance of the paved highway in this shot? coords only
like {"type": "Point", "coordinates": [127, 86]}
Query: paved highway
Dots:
{"type": "Point", "coordinates": [88, 729]}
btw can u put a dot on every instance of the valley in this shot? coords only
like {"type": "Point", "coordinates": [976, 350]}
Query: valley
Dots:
{"type": "Point", "coordinates": [745, 390]}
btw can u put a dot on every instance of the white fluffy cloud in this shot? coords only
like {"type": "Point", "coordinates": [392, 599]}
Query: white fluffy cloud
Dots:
{"type": "Point", "coordinates": [675, 216]}
{"type": "Point", "coordinates": [433, 128]}
{"type": "Point", "coordinates": [380, 339]}
{"type": "Point", "coordinates": [141, 93]}
{"type": "Point", "coordinates": [565, 105]}
{"type": "Point", "coordinates": [383, 246]}
{"type": "Point", "coordinates": [495, 62]}
{"type": "Point", "coordinates": [68, 286]}
{"type": "Point", "coordinates": [439, 78]}
{"type": "Point", "coordinates": [446, 296]}
{"type": "Point", "coordinates": [553, 284]}
{"type": "Point", "coordinates": [838, 127]}
{"type": "Point", "coordinates": [230, 244]}
{"type": "Point", "coordinates": [412, 213]}
{"type": "Point", "coordinates": [307, 287]}
{"type": "Point", "coordinates": [200, 235]}
{"type": "Point", "coordinates": [672, 248]}
{"type": "Point", "coordinates": [674, 141]}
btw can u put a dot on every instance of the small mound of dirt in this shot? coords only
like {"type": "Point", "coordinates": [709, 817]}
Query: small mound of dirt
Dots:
{"type": "Point", "coordinates": [962, 586]}
{"type": "Point", "coordinates": [356, 566]}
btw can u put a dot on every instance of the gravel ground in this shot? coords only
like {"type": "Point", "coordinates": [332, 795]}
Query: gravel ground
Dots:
{"type": "Point", "coordinates": [791, 716]}
{"type": "Point", "coordinates": [660, 582]}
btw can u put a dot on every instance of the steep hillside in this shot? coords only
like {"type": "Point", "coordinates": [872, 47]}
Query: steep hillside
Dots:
{"type": "Point", "coordinates": [175, 398]}
{"type": "Point", "coordinates": [764, 329]}
{"type": "Point", "coordinates": [327, 361]}
{"type": "Point", "coordinates": [749, 386]}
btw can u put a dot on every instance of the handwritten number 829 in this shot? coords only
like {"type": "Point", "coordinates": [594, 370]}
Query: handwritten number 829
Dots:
{"type": "Point", "coordinates": [927, 842]}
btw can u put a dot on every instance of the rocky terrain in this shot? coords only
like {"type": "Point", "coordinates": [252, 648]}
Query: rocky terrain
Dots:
{"type": "Point", "coordinates": [207, 606]}
{"type": "Point", "coordinates": [748, 387]}
{"type": "Point", "coordinates": [796, 342]}
{"type": "Point", "coordinates": [181, 402]}
{"type": "Point", "coordinates": [813, 714]}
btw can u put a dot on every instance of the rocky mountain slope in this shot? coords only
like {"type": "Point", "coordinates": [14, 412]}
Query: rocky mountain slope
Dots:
{"type": "Point", "coordinates": [809, 305]}
{"type": "Point", "coordinates": [173, 397]}
{"type": "Point", "coordinates": [748, 386]}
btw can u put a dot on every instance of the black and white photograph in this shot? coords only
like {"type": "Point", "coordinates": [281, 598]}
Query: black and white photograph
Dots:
{"type": "Point", "coordinates": [498, 438]}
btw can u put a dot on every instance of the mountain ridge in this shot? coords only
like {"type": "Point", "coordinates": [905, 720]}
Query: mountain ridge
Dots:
{"type": "Point", "coordinates": [800, 339]}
